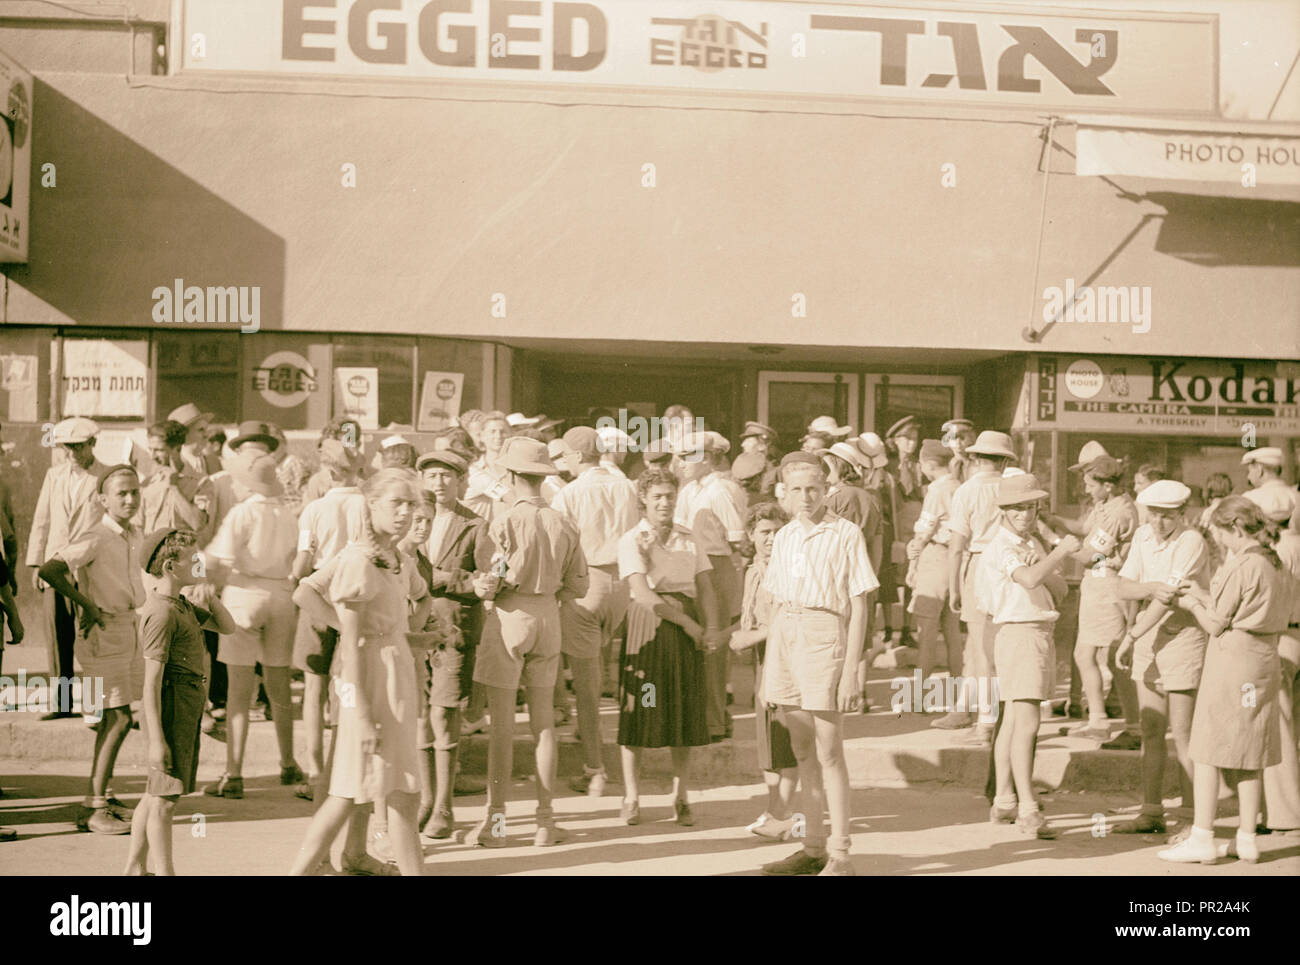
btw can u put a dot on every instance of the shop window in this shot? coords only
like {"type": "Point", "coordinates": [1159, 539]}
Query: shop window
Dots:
{"type": "Point", "coordinates": [932, 400]}
{"type": "Point", "coordinates": [25, 376]}
{"type": "Point", "coordinates": [285, 379]}
{"type": "Point", "coordinates": [374, 380]}
{"type": "Point", "coordinates": [1190, 459]}
{"type": "Point", "coordinates": [448, 357]}
{"type": "Point", "coordinates": [198, 367]}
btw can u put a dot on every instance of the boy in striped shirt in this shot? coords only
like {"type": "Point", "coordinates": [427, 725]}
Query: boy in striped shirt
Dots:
{"type": "Point", "coordinates": [819, 577]}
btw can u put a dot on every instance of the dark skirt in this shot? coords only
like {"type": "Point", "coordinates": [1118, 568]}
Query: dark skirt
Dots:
{"type": "Point", "coordinates": [662, 693]}
{"type": "Point", "coordinates": [183, 697]}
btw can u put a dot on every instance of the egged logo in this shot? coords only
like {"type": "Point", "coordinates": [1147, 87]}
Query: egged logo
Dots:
{"type": "Point", "coordinates": [709, 43]}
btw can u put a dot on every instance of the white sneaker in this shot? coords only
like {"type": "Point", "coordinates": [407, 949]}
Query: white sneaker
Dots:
{"type": "Point", "coordinates": [773, 829]}
{"type": "Point", "coordinates": [1191, 851]}
{"type": "Point", "coordinates": [469, 727]}
{"type": "Point", "coordinates": [1246, 847]}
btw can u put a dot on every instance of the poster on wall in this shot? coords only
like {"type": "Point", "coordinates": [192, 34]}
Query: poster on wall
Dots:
{"type": "Point", "coordinates": [356, 395]}
{"type": "Point", "coordinates": [440, 400]}
{"type": "Point", "coordinates": [105, 379]}
{"type": "Point", "coordinates": [15, 159]}
{"type": "Point", "coordinates": [18, 379]}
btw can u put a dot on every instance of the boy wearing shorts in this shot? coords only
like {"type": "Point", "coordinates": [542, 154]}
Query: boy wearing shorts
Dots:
{"type": "Point", "coordinates": [1165, 647]}
{"type": "Point", "coordinates": [819, 578]}
{"type": "Point", "coordinates": [456, 537]}
{"type": "Point", "coordinates": [108, 589]}
{"type": "Point", "coordinates": [1022, 588]}
{"type": "Point", "coordinates": [175, 691]}
{"type": "Point", "coordinates": [252, 555]}
{"type": "Point", "coordinates": [532, 561]}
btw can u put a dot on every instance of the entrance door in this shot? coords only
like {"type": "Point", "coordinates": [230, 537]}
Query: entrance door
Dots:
{"type": "Point", "coordinates": [933, 399]}
{"type": "Point", "coordinates": [788, 401]}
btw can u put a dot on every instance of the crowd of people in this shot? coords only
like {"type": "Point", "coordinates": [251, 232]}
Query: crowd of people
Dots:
{"type": "Point", "coordinates": [423, 596]}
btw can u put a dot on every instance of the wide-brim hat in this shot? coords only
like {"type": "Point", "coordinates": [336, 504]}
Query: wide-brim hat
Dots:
{"type": "Point", "coordinates": [254, 432]}
{"type": "Point", "coordinates": [1090, 451]}
{"type": "Point", "coordinates": [1021, 488]}
{"type": "Point", "coordinates": [830, 426]}
{"type": "Point", "coordinates": [747, 465]}
{"type": "Point", "coordinates": [527, 457]}
{"type": "Point", "coordinates": [991, 443]}
{"type": "Point", "coordinates": [189, 413]}
{"type": "Point", "coordinates": [873, 449]}
{"type": "Point", "coordinates": [517, 420]}
{"type": "Point", "coordinates": [257, 474]}
{"type": "Point", "coordinates": [849, 453]}
{"type": "Point", "coordinates": [1265, 456]}
{"type": "Point", "coordinates": [70, 432]}
{"type": "Point", "coordinates": [545, 422]}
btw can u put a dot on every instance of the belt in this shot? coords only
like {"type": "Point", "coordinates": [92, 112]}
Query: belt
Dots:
{"type": "Point", "coordinates": [794, 609]}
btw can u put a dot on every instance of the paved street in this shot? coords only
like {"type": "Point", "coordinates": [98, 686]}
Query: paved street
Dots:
{"type": "Point", "coordinates": [896, 832]}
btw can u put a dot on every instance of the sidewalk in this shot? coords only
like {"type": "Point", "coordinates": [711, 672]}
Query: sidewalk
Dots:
{"type": "Point", "coordinates": [883, 749]}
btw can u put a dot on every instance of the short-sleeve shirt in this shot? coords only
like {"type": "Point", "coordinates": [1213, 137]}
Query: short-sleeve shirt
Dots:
{"type": "Point", "coordinates": [823, 566]}
{"type": "Point", "coordinates": [171, 632]}
{"type": "Point", "coordinates": [936, 511]}
{"type": "Point", "coordinates": [542, 549]}
{"type": "Point", "coordinates": [1288, 551]}
{"type": "Point", "coordinates": [258, 537]}
{"type": "Point", "coordinates": [106, 563]}
{"type": "Point", "coordinates": [859, 506]}
{"type": "Point", "coordinates": [756, 608]}
{"type": "Point", "coordinates": [1110, 527]}
{"type": "Point", "coordinates": [1005, 600]}
{"type": "Point", "coordinates": [713, 509]}
{"type": "Point", "coordinates": [673, 564]}
{"type": "Point", "coordinates": [1252, 594]}
{"type": "Point", "coordinates": [329, 523]}
{"type": "Point", "coordinates": [603, 505]}
{"type": "Point", "coordinates": [974, 512]}
{"type": "Point", "coordinates": [353, 577]}
{"type": "Point", "coordinates": [170, 504]}
{"type": "Point", "coordinates": [1184, 556]}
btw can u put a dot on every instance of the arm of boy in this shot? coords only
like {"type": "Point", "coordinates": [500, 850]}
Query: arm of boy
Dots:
{"type": "Point", "coordinates": [1037, 574]}
{"type": "Point", "coordinates": [55, 572]}
{"type": "Point", "coordinates": [956, 556]}
{"type": "Point", "coordinates": [712, 635]}
{"type": "Point", "coordinates": [219, 618]}
{"type": "Point", "coordinates": [159, 752]}
{"type": "Point", "coordinates": [10, 609]}
{"type": "Point", "coordinates": [849, 696]}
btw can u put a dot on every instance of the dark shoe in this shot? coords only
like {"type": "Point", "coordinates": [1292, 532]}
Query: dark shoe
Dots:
{"type": "Point", "coordinates": [227, 787]}
{"type": "Point", "coordinates": [8, 834]}
{"type": "Point", "coordinates": [682, 814]}
{"type": "Point", "coordinates": [717, 738]}
{"type": "Point", "coordinates": [291, 775]}
{"type": "Point", "coordinates": [82, 817]}
{"type": "Point", "coordinates": [889, 635]}
{"type": "Point", "coordinates": [799, 863]}
{"type": "Point", "coordinates": [106, 821]}
{"type": "Point", "coordinates": [481, 835]}
{"type": "Point", "coordinates": [440, 825]}
{"type": "Point", "coordinates": [549, 835]}
{"type": "Point", "coordinates": [467, 786]}
{"type": "Point", "coordinates": [1074, 711]}
{"type": "Point", "coordinates": [1142, 824]}
{"type": "Point", "coordinates": [57, 715]}
{"type": "Point", "coordinates": [120, 809]}
{"type": "Point", "coordinates": [305, 791]}
{"type": "Point", "coordinates": [1125, 740]}
{"type": "Point", "coordinates": [731, 698]}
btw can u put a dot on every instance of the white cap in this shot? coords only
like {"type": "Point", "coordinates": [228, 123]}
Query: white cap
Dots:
{"type": "Point", "coordinates": [1012, 471]}
{"type": "Point", "coordinates": [74, 430]}
{"type": "Point", "coordinates": [391, 441]}
{"type": "Point", "coordinates": [1164, 494]}
{"type": "Point", "coordinates": [612, 439]}
{"type": "Point", "coordinates": [1265, 456]}
{"type": "Point", "coordinates": [518, 420]}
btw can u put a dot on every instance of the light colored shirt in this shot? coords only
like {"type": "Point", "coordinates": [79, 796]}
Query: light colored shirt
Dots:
{"type": "Point", "coordinates": [1183, 556]}
{"type": "Point", "coordinates": [226, 495]}
{"type": "Point", "coordinates": [1005, 600]}
{"type": "Point", "coordinates": [603, 506]}
{"type": "Point", "coordinates": [936, 511]}
{"type": "Point", "coordinates": [822, 566]}
{"type": "Point", "coordinates": [171, 504]}
{"type": "Point", "coordinates": [673, 564]}
{"type": "Point", "coordinates": [542, 549]}
{"type": "Point", "coordinates": [1275, 498]}
{"type": "Point", "coordinates": [1251, 594]}
{"type": "Point", "coordinates": [1288, 551]}
{"type": "Point", "coordinates": [329, 523]}
{"type": "Point", "coordinates": [65, 509]}
{"type": "Point", "coordinates": [713, 509]}
{"type": "Point", "coordinates": [435, 546]}
{"type": "Point", "coordinates": [756, 606]}
{"type": "Point", "coordinates": [105, 560]}
{"type": "Point", "coordinates": [973, 511]}
{"type": "Point", "coordinates": [258, 538]}
{"type": "Point", "coordinates": [1110, 527]}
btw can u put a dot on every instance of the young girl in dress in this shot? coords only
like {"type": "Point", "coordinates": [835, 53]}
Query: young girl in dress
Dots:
{"type": "Point", "coordinates": [662, 691]}
{"type": "Point", "coordinates": [1235, 725]}
{"type": "Point", "coordinates": [364, 592]}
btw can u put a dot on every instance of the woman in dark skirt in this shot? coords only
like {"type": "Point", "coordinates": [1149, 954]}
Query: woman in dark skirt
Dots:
{"type": "Point", "coordinates": [662, 692]}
